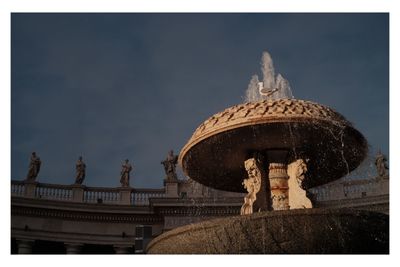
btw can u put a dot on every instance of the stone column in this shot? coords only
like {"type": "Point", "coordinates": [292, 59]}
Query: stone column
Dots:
{"type": "Point", "coordinates": [30, 188]}
{"type": "Point", "coordinates": [125, 195]}
{"type": "Point", "coordinates": [77, 193]}
{"type": "Point", "coordinates": [121, 249]}
{"type": "Point", "coordinates": [24, 246]}
{"type": "Point", "coordinates": [278, 179]}
{"type": "Point", "coordinates": [73, 248]}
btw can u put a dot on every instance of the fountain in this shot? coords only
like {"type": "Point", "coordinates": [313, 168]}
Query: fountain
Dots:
{"type": "Point", "coordinates": [275, 147]}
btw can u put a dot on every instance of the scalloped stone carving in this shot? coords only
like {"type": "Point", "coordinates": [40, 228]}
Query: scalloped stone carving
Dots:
{"type": "Point", "coordinates": [267, 110]}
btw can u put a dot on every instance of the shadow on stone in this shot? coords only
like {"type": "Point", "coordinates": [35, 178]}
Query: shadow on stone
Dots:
{"type": "Point", "coordinates": [308, 231]}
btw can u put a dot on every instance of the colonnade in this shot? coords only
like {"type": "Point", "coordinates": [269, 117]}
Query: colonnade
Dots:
{"type": "Point", "coordinates": [25, 246]}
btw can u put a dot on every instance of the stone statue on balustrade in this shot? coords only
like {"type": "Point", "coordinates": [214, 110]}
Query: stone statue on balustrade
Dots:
{"type": "Point", "coordinates": [380, 163]}
{"type": "Point", "coordinates": [34, 167]}
{"type": "Point", "coordinates": [170, 166]}
{"type": "Point", "coordinates": [80, 171]}
{"type": "Point", "coordinates": [125, 173]}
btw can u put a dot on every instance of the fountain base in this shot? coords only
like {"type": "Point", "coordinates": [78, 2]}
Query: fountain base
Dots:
{"type": "Point", "coordinates": [302, 231]}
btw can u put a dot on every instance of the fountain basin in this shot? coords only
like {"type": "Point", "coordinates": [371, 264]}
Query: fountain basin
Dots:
{"type": "Point", "coordinates": [215, 154]}
{"type": "Point", "coordinates": [305, 231]}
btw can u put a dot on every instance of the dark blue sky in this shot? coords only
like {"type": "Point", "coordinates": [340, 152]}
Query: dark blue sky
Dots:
{"type": "Point", "coordinates": [116, 86]}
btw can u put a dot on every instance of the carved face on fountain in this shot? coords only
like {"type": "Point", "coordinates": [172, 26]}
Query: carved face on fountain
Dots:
{"type": "Point", "coordinates": [301, 169]}
{"type": "Point", "coordinates": [251, 168]}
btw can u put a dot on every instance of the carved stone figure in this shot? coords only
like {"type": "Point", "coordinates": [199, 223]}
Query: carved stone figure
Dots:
{"type": "Point", "coordinates": [34, 167]}
{"type": "Point", "coordinates": [252, 185]}
{"type": "Point", "coordinates": [170, 166]}
{"type": "Point", "coordinates": [125, 173]}
{"type": "Point", "coordinates": [381, 166]}
{"type": "Point", "coordinates": [297, 195]}
{"type": "Point", "coordinates": [80, 171]}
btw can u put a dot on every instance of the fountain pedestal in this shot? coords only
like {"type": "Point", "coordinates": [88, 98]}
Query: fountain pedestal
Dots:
{"type": "Point", "coordinates": [278, 180]}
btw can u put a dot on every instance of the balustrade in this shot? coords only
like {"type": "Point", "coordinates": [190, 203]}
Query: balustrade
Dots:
{"type": "Point", "coordinates": [56, 192]}
{"type": "Point", "coordinates": [141, 197]}
{"type": "Point", "coordinates": [17, 189]}
{"type": "Point", "coordinates": [93, 195]}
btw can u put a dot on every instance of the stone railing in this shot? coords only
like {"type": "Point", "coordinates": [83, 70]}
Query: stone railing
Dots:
{"type": "Point", "coordinates": [53, 191]}
{"type": "Point", "coordinates": [17, 188]}
{"type": "Point", "coordinates": [79, 193]}
{"type": "Point", "coordinates": [140, 197]}
{"type": "Point", "coordinates": [101, 195]}
{"type": "Point", "coordinates": [351, 189]}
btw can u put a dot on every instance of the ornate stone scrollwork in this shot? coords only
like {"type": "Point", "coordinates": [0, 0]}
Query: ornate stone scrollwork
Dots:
{"type": "Point", "coordinates": [297, 195]}
{"type": "Point", "coordinates": [252, 184]}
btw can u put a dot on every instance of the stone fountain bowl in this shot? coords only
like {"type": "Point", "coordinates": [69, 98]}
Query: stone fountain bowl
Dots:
{"type": "Point", "coordinates": [308, 231]}
{"type": "Point", "coordinates": [215, 153]}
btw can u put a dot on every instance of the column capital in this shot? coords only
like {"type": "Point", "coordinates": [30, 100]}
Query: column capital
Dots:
{"type": "Point", "coordinates": [25, 246]}
{"type": "Point", "coordinates": [121, 249]}
{"type": "Point", "coordinates": [73, 248]}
